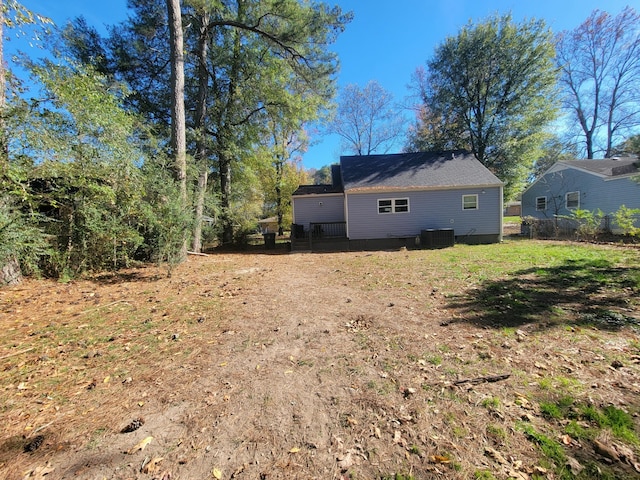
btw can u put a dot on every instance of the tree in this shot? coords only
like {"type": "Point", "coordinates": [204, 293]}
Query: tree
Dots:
{"type": "Point", "coordinates": [631, 146]}
{"type": "Point", "coordinates": [255, 52]}
{"type": "Point", "coordinates": [267, 57]}
{"type": "Point", "coordinates": [553, 150]}
{"type": "Point", "coordinates": [493, 84]}
{"type": "Point", "coordinates": [281, 173]}
{"type": "Point", "coordinates": [433, 130]}
{"type": "Point", "coordinates": [367, 119]}
{"type": "Point", "coordinates": [17, 234]}
{"type": "Point", "coordinates": [322, 176]}
{"type": "Point", "coordinates": [178, 118]}
{"type": "Point", "coordinates": [600, 77]}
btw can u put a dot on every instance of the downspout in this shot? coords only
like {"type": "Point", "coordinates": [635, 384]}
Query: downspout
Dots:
{"type": "Point", "coordinates": [501, 213]}
{"type": "Point", "coordinates": [346, 213]}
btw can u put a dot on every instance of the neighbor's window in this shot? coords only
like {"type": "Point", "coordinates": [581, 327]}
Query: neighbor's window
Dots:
{"type": "Point", "coordinates": [470, 202]}
{"type": "Point", "coordinates": [393, 205]}
{"type": "Point", "coordinates": [573, 200]}
{"type": "Point", "coordinates": [541, 203]}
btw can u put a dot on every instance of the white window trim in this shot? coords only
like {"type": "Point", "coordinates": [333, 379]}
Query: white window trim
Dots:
{"type": "Point", "coordinates": [470, 195]}
{"type": "Point", "coordinates": [393, 205]}
{"type": "Point", "coordinates": [566, 200]}
{"type": "Point", "coordinates": [545, 204]}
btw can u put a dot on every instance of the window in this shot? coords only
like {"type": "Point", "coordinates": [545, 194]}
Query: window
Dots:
{"type": "Point", "coordinates": [572, 200]}
{"type": "Point", "coordinates": [470, 202]}
{"type": "Point", "coordinates": [393, 205]}
{"type": "Point", "coordinates": [402, 205]}
{"type": "Point", "coordinates": [541, 203]}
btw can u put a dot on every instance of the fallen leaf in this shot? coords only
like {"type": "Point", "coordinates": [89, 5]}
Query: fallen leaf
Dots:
{"type": "Point", "coordinates": [345, 462]}
{"type": "Point", "coordinates": [439, 459]}
{"type": "Point", "coordinates": [566, 439]}
{"type": "Point", "coordinates": [217, 473]}
{"type": "Point", "coordinates": [294, 450]}
{"type": "Point", "coordinates": [497, 456]}
{"type": "Point", "coordinates": [152, 466]}
{"type": "Point", "coordinates": [140, 446]}
{"type": "Point", "coordinates": [107, 379]}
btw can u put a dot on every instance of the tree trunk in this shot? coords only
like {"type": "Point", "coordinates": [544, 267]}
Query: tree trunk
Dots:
{"type": "Point", "coordinates": [200, 127]}
{"type": "Point", "coordinates": [178, 120]}
{"type": "Point", "coordinates": [225, 191]}
{"type": "Point", "coordinates": [10, 273]}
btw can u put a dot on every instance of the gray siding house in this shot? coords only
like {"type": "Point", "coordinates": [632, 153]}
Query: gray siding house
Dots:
{"type": "Point", "coordinates": [386, 201]}
{"type": "Point", "coordinates": [590, 185]}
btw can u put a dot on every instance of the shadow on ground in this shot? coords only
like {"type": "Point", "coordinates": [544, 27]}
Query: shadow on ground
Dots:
{"type": "Point", "coordinates": [575, 292]}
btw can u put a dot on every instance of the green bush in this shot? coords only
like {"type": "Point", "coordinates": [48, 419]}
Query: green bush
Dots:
{"type": "Point", "coordinates": [626, 218]}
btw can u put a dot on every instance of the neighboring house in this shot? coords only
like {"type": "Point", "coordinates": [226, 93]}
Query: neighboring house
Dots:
{"type": "Point", "coordinates": [386, 201]}
{"type": "Point", "coordinates": [513, 209]}
{"type": "Point", "coordinates": [591, 185]}
{"type": "Point", "coordinates": [268, 225]}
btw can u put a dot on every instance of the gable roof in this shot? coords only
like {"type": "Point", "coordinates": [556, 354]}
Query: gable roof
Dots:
{"type": "Point", "coordinates": [407, 171]}
{"type": "Point", "coordinates": [607, 167]}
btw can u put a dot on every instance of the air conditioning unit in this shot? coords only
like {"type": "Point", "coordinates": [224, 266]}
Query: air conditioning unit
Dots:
{"type": "Point", "coordinates": [437, 238]}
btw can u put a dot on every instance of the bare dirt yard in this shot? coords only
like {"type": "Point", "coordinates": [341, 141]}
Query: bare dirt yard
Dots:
{"type": "Point", "coordinates": [363, 365]}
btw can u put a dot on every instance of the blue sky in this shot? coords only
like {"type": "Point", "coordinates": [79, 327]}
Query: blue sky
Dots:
{"type": "Point", "coordinates": [386, 41]}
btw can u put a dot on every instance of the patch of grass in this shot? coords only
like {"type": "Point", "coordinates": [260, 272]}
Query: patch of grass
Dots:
{"type": "Point", "coordinates": [398, 476]}
{"type": "Point", "coordinates": [496, 432]}
{"type": "Point", "coordinates": [549, 447]}
{"type": "Point", "coordinates": [557, 410]}
{"type": "Point", "coordinates": [483, 475]}
{"type": "Point", "coordinates": [434, 360]}
{"type": "Point", "coordinates": [618, 421]}
{"type": "Point", "coordinates": [491, 403]}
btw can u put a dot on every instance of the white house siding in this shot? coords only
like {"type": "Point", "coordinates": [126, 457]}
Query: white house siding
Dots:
{"type": "Point", "coordinates": [595, 193]}
{"type": "Point", "coordinates": [427, 209]}
{"type": "Point", "coordinates": [318, 209]}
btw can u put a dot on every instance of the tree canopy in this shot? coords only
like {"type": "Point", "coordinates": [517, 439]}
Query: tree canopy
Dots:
{"type": "Point", "coordinates": [600, 78]}
{"type": "Point", "coordinates": [491, 87]}
{"type": "Point", "coordinates": [367, 120]}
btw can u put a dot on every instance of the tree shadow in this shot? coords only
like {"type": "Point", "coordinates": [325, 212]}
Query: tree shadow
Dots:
{"type": "Point", "coordinates": [575, 292]}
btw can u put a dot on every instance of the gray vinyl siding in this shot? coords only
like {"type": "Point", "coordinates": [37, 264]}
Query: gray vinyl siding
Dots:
{"type": "Point", "coordinates": [318, 209]}
{"type": "Point", "coordinates": [427, 209]}
{"type": "Point", "coordinates": [595, 193]}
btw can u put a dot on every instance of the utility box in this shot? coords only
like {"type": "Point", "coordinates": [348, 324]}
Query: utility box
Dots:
{"type": "Point", "coordinates": [437, 238]}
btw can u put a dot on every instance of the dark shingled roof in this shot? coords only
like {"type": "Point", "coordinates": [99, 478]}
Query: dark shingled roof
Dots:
{"type": "Point", "coordinates": [608, 167]}
{"type": "Point", "coordinates": [317, 189]}
{"type": "Point", "coordinates": [405, 171]}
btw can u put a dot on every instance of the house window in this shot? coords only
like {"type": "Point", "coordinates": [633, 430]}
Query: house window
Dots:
{"type": "Point", "coordinates": [541, 203]}
{"type": "Point", "coordinates": [572, 200]}
{"type": "Point", "coordinates": [393, 205]}
{"type": "Point", "coordinates": [470, 202]}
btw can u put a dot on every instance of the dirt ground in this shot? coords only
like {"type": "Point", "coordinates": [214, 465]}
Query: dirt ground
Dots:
{"type": "Point", "coordinates": [270, 365]}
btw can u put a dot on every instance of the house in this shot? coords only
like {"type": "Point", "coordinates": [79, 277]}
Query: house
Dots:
{"type": "Point", "coordinates": [591, 185]}
{"type": "Point", "coordinates": [390, 201]}
{"type": "Point", "coordinates": [268, 225]}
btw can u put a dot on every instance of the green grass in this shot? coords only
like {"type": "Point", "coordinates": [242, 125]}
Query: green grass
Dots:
{"type": "Point", "coordinates": [549, 447]}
